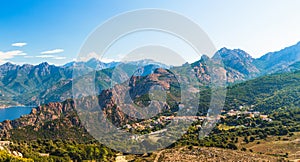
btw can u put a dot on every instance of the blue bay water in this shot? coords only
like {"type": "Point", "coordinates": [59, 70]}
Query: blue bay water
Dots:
{"type": "Point", "coordinates": [13, 112]}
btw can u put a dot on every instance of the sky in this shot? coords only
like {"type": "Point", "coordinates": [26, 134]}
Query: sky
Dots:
{"type": "Point", "coordinates": [35, 31]}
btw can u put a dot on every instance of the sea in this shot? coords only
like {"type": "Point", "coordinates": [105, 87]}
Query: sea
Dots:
{"type": "Point", "coordinates": [12, 113]}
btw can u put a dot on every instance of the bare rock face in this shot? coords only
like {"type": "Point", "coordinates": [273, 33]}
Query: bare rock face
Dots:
{"type": "Point", "coordinates": [53, 121]}
{"type": "Point", "coordinates": [55, 118]}
{"type": "Point", "coordinates": [226, 65]}
{"type": "Point", "coordinates": [238, 60]}
{"type": "Point", "coordinates": [129, 101]}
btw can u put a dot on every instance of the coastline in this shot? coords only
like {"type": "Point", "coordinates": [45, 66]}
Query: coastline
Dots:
{"type": "Point", "coordinates": [12, 113]}
{"type": "Point", "coordinates": [9, 106]}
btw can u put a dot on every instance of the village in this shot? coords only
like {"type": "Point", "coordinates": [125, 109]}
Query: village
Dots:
{"type": "Point", "coordinates": [160, 122]}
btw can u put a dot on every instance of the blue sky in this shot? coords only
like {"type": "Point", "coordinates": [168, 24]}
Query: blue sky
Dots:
{"type": "Point", "coordinates": [33, 31]}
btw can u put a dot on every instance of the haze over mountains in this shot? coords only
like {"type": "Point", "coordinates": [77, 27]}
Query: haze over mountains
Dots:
{"type": "Point", "coordinates": [60, 120]}
{"type": "Point", "coordinates": [53, 120]}
{"type": "Point", "coordinates": [44, 83]}
{"type": "Point", "coordinates": [263, 95]}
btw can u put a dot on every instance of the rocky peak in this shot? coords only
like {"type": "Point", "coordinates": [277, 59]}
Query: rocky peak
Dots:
{"type": "Point", "coordinates": [8, 66]}
{"type": "Point", "coordinates": [237, 60]}
{"type": "Point", "coordinates": [46, 120]}
{"type": "Point", "coordinates": [43, 65]}
{"type": "Point", "coordinates": [26, 67]}
{"type": "Point", "coordinates": [227, 54]}
{"type": "Point", "coordinates": [279, 60]}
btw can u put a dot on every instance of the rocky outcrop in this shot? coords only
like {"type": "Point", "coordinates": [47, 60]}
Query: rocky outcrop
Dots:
{"type": "Point", "coordinates": [206, 68]}
{"type": "Point", "coordinates": [53, 121]}
{"type": "Point", "coordinates": [44, 83]}
{"type": "Point", "coordinates": [239, 61]}
{"type": "Point", "coordinates": [60, 120]}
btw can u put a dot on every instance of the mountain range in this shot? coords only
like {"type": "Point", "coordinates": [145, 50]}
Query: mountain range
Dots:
{"type": "Point", "coordinates": [60, 120]}
{"type": "Point", "coordinates": [267, 86]}
{"type": "Point", "coordinates": [44, 83]}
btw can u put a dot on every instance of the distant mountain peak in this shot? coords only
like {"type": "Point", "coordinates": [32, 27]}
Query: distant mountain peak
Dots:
{"type": "Point", "coordinates": [26, 65]}
{"type": "Point", "coordinates": [8, 64]}
{"type": "Point", "coordinates": [225, 52]}
{"type": "Point", "coordinates": [43, 64]}
{"type": "Point", "coordinates": [237, 60]}
{"type": "Point", "coordinates": [204, 58]}
{"type": "Point", "coordinates": [278, 60]}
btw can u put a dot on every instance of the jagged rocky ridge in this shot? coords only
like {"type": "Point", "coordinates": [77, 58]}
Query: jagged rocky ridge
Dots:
{"type": "Point", "coordinates": [53, 120]}
{"type": "Point", "coordinates": [60, 120]}
{"type": "Point", "coordinates": [44, 83]}
{"type": "Point", "coordinates": [50, 121]}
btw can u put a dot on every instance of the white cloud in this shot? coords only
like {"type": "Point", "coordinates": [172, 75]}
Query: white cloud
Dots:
{"type": "Point", "coordinates": [5, 56]}
{"type": "Point", "coordinates": [97, 56]}
{"type": "Point", "coordinates": [116, 58]}
{"type": "Point", "coordinates": [22, 54]}
{"type": "Point", "coordinates": [45, 56]}
{"type": "Point", "coordinates": [13, 53]}
{"type": "Point", "coordinates": [88, 57]}
{"type": "Point", "coordinates": [52, 51]}
{"type": "Point", "coordinates": [51, 57]}
{"type": "Point", "coordinates": [28, 56]}
{"type": "Point", "coordinates": [19, 44]}
{"type": "Point", "coordinates": [108, 60]}
{"type": "Point", "coordinates": [59, 58]}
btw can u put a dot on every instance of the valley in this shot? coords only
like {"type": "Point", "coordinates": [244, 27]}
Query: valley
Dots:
{"type": "Point", "coordinates": [260, 119]}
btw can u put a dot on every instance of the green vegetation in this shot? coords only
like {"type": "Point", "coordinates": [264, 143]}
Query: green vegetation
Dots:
{"type": "Point", "coordinates": [62, 150]}
{"type": "Point", "coordinates": [5, 156]}
{"type": "Point", "coordinates": [275, 96]}
{"type": "Point", "coordinates": [267, 93]}
{"type": "Point", "coordinates": [245, 130]}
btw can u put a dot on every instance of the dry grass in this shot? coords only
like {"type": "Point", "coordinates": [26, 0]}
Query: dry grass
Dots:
{"type": "Point", "coordinates": [285, 146]}
{"type": "Point", "coordinates": [196, 154]}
